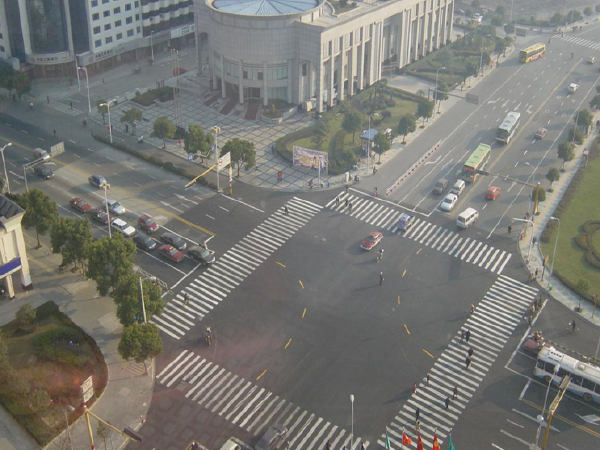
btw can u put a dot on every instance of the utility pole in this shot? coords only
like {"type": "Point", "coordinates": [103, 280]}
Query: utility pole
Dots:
{"type": "Point", "coordinates": [554, 406]}
{"type": "Point", "coordinates": [535, 187]}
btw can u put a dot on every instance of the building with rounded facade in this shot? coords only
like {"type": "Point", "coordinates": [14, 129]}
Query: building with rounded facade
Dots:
{"type": "Point", "coordinates": [298, 50]}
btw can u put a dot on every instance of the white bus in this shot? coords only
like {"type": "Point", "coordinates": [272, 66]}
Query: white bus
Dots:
{"type": "Point", "coordinates": [585, 377]}
{"type": "Point", "coordinates": [508, 127]}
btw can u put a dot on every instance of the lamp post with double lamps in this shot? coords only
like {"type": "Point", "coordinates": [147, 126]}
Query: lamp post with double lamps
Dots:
{"type": "Point", "coordinates": [4, 164]}
{"type": "Point", "coordinates": [216, 130]}
{"type": "Point", "coordinates": [352, 429]}
{"type": "Point", "coordinates": [540, 418]}
{"type": "Point", "coordinates": [483, 38]}
{"type": "Point", "coordinates": [107, 104]}
{"type": "Point", "coordinates": [142, 279]}
{"type": "Point", "coordinates": [87, 81]}
{"type": "Point", "coordinates": [369, 141]}
{"type": "Point", "coordinates": [555, 245]}
{"type": "Point", "coordinates": [436, 87]}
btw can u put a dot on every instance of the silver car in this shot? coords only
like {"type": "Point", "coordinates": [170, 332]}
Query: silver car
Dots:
{"type": "Point", "coordinates": [115, 208]}
{"type": "Point", "coordinates": [272, 438]}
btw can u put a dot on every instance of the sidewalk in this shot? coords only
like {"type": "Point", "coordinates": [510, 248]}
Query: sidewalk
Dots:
{"type": "Point", "coordinates": [552, 285]}
{"type": "Point", "coordinates": [128, 393]}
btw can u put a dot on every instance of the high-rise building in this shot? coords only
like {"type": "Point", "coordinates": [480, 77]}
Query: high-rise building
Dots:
{"type": "Point", "coordinates": [48, 36]}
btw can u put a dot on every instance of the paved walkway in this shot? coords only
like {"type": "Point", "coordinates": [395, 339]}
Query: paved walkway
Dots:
{"type": "Point", "coordinates": [128, 393]}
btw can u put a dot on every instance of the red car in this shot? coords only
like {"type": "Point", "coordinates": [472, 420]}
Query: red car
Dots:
{"type": "Point", "coordinates": [492, 192]}
{"type": "Point", "coordinates": [99, 215]}
{"type": "Point", "coordinates": [80, 204]}
{"type": "Point", "coordinates": [147, 223]}
{"type": "Point", "coordinates": [371, 241]}
{"type": "Point", "coordinates": [170, 252]}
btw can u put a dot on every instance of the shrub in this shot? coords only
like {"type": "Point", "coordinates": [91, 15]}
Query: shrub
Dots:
{"type": "Point", "coordinates": [59, 345]}
{"type": "Point", "coordinates": [386, 114]}
{"type": "Point", "coordinates": [390, 102]}
{"type": "Point", "coordinates": [46, 310]}
{"type": "Point", "coordinates": [168, 166]}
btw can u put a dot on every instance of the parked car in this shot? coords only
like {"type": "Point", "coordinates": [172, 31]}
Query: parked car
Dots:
{"type": "Point", "coordinates": [98, 181]}
{"type": "Point", "coordinates": [541, 133]}
{"type": "Point", "coordinates": [41, 154]}
{"type": "Point", "coordinates": [202, 255]}
{"type": "Point", "coordinates": [43, 171]}
{"type": "Point", "coordinates": [272, 437]}
{"type": "Point", "coordinates": [144, 242]}
{"type": "Point", "coordinates": [170, 252]}
{"type": "Point", "coordinates": [99, 215]}
{"type": "Point", "coordinates": [174, 240]}
{"type": "Point", "coordinates": [122, 227]}
{"type": "Point", "coordinates": [115, 207]}
{"type": "Point", "coordinates": [147, 223]}
{"type": "Point", "coordinates": [371, 240]}
{"type": "Point", "coordinates": [492, 192]}
{"type": "Point", "coordinates": [440, 186]}
{"type": "Point", "coordinates": [405, 221]}
{"type": "Point", "coordinates": [449, 202]}
{"type": "Point", "coordinates": [80, 204]}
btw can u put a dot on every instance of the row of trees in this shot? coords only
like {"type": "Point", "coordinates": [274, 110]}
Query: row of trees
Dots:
{"type": "Point", "coordinates": [109, 262]}
{"type": "Point", "coordinates": [14, 81]}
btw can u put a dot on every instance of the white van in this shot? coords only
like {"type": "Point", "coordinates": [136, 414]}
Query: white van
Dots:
{"type": "Point", "coordinates": [573, 88]}
{"type": "Point", "coordinates": [467, 217]}
{"type": "Point", "coordinates": [458, 187]}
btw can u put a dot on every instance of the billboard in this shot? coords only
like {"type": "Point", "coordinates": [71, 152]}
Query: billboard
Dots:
{"type": "Point", "coordinates": [306, 157]}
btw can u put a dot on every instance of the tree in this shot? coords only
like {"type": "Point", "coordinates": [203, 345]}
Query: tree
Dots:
{"type": "Point", "coordinates": [575, 135]}
{"type": "Point", "coordinates": [500, 47]}
{"type": "Point", "coordinates": [470, 70]}
{"type": "Point", "coordinates": [475, 4]}
{"type": "Point", "coordinates": [584, 119]}
{"type": "Point", "coordinates": [127, 297]}
{"type": "Point", "coordinates": [139, 342]}
{"type": "Point", "coordinates": [566, 152]}
{"type": "Point", "coordinates": [26, 315]}
{"type": "Point", "coordinates": [588, 11]}
{"type": "Point", "coordinates": [541, 195]}
{"type": "Point", "coordinates": [442, 93]}
{"type": "Point", "coordinates": [509, 28]}
{"type": "Point", "coordinates": [425, 110]}
{"type": "Point", "coordinates": [574, 16]}
{"type": "Point", "coordinates": [5, 366]}
{"type": "Point", "coordinates": [242, 153]}
{"type": "Point", "coordinates": [595, 102]}
{"type": "Point", "coordinates": [71, 238]}
{"type": "Point", "coordinates": [508, 41]}
{"type": "Point", "coordinates": [21, 83]}
{"type": "Point", "coordinates": [500, 10]}
{"type": "Point", "coordinates": [321, 130]}
{"type": "Point", "coordinates": [40, 212]}
{"type": "Point", "coordinates": [552, 176]}
{"type": "Point", "coordinates": [198, 142]}
{"type": "Point", "coordinates": [352, 122]}
{"type": "Point", "coordinates": [497, 21]}
{"type": "Point", "coordinates": [407, 124]}
{"type": "Point", "coordinates": [163, 129]}
{"type": "Point", "coordinates": [102, 109]}
{"type": "Point", "coordinates": [108, 260]}
{"type": "Point", "coordinates": [132, 116]}
{"type": "Point", "coordinates": [381, 144]}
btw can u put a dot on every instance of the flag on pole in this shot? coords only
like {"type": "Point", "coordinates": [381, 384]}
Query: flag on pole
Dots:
{"type": "Point", "coordinates": [419, 443]}
{"type": "Point", "coordinates": [436, 444]}
{"type": "Point", "coordinates": [450, 444]}
{"type": "Point", "coordinates": [405, 439]}
{"type": "Point", "coordinates": [387, 440]}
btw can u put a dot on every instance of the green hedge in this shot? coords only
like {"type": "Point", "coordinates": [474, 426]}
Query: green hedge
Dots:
{"type": "Point", "coordinates": [60, 346]}
{"type": "Point", "coordinates": [162, 94]}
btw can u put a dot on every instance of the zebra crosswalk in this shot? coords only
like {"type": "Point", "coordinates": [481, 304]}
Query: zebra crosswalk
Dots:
{"type": "Point", "coordinates": [594, 45]}
{"type": "Point", "coordinates": [250, 407]}
{"type": "Point", "coordinates": [385, 217]}
{"type": "Point", "coordinates": [491, 325]}
{"type": "Point", "coordinates": [61, 107]}
{"type": "Point", "coordinates": [216, 282]}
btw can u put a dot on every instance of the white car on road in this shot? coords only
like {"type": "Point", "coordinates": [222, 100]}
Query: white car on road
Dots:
{"type": "Point", "coordinates": [115, 208]}
{"type": "Point", "coordinates": [449, 202]}
{"type": "Point", "coordinates": [122, 227]}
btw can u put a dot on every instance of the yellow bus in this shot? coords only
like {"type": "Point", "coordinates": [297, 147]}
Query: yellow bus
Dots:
{"type": "Point", "coordinates": [477, 161]}
{"type": "Point", "coordinates": [532, 52]}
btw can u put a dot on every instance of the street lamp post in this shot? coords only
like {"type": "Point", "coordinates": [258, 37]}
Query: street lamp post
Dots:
{"type": "Point", "coordinates": [369, 141]}
{"type": "Point", "coordinates": [69, 409]}
{"type": "Point", "coordinates": [483, 38]}
{"type": "Point", "coordinates": [540, 418]}
{"type": "Point", "coordinates": [352, 429]}
{"type": "Point", "coordinates": [217, 130]}
{"type": "Point", "coordinates": [87, 81]}
{"type": "Point", "coordinates": [533, 188]}
{"type": "Point", "coordinates": [555, 244]}
{"type": "Point", "coordinates": [142, 294]}
{"type": "Point", "coordinates": [436, 87]}
{"type": "Point", "coordinates": [107, 211]}
{"type": "Point", "coordinates": [107, 104]}
{"type": "Point", "coordinates": [4, 164]}
{"type": "Point", "coordinates": [152, 45]}
{"type": "Point", "coordinates": [531, 239]}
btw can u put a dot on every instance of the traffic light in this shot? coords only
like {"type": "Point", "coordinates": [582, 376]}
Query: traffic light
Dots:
{"type": "Point", "coordinates": [132, 434]}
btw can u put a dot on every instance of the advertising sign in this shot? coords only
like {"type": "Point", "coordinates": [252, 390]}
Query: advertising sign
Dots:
{"type": "Point", "coordinates": [310, 158]}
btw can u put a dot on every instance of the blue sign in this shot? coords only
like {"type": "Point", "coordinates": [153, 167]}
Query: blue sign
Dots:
{"type": "Point", "coordinates": [10, 266]}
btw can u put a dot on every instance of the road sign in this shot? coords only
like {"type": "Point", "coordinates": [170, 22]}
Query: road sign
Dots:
{"type": "Point", "coordinates": [472, 98]}
{"type": "Point", "coordinates": [225, 160]}
{"type": "Point", "coordinates": [87, 389]}
{"type": "Point", "coordinates": [57, 149]}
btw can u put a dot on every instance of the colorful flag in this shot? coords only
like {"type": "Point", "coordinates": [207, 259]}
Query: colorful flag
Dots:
{"type": "Point", "coordinates": [405, 439]}
{"type": "Point", "coordinates": [419, 443]}
{"type": "Point", "coordinates": [387, 441]}
{"type": "Point", "coordinates": [436, 445]}
{"type": "Point", "coordinates": [450, 444]}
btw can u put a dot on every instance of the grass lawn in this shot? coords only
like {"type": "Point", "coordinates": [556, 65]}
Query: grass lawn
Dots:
{"type": "Point", "coordinates": [46, 371]}
{"type": "Point", "coordinates": [571, 264]}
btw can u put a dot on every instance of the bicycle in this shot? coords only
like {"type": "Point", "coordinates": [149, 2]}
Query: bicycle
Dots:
{"type": "Point", "coordinates": [572, 329]}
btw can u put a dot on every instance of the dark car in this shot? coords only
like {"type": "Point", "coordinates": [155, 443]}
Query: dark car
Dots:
{"type": "Point", "coordinates": [170, 252]}
{"type": "Point", "coordinates": [406, 221]}
{"type": "Point", "coordinates": [98, 181]}
{"type": "Point", "coordinates": [440, 186]}
{"type": "Point", "coordinates": [99, 215]}
{"type": "Point", "coordinates": [43, 171]}
{"type": "Point", "coordinates": [202, 255]}
{"type": "Point", "coordinates": [174, 240]}
{"type": "Point", "coordinates": [147, 223]}
{"type": "Point", "coordinates": [80, 204]}
{"type": "Point", "coordinates": [272, 438]}
{"type": "Point", "coordinates": [144, 242]}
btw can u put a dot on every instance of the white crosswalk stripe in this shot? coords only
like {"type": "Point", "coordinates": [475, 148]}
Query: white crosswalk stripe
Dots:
{"type": "Point", "coordinates": [61, 107]}
{"type": "Point", "coordinates": [492, 324]}
{"type": "Point", "coordinates": [579, 41]}
{"type": "Point", "coordinates": [250, 407]}
{"type": "Point", "coordinates": [214, 284]}
{"type": "Point", "coordinates": [385, 216]}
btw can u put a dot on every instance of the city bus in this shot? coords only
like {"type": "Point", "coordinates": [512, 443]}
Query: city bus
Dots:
{"type": "Point", "coordinates": [507, 128]}
{"type": "Point", "coordinates": [585, 377]}
{"type": "Point", "coordinates": [477, 161]}
{"type": "Point", "coordinates": [532, 52]}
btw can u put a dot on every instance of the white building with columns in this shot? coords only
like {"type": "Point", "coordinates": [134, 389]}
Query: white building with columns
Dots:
{"type": "Point", "coordinates": [296, 50]}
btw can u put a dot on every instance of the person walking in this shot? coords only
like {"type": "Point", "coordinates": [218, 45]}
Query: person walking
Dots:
{"type": "Point", "coordinates": [286, 211]}
{"type": "Point", "coordinates": [414, 388]}
{"type": "Point", "coordinates": [455, 393]}
{"type": "Point", "coordinates": [509, 229]}
{"type": "Point", "coordinates": [337, 201]}
{"type": "Point", "coordinates": [71, 105]}
{"type": "Point", "coordinates": [362, 446]}
{"type": "Point", "coordinates": [417, 414]}
{"type": "Point", "coordinates": [328, 445]}
{"type": "Point", "coordinates": [381, 278]}
{"type": "Point", "coordinates": [418, 426]}
{"type": "Point", "coordinates": [467, 336]}
{"type": "Point", "coordinates": [48, 99]}
{"type": "Point", "coordinates": [462, 337]}
{"type": "Point", "coordinates": [428, 378]}
{"type": "Point", "coordinates": [447, 402]}
{"type": "Point", "coordinates": [470, 352]}
{"type": "Point", "coordinates": [350, 207]}
{"type": "Point", "coordinates": [30, 105]}
{"type": "Point", "coordinates": [468, 362]}
{"type": "Point", "coordinates": [536, 273]}
{"type": "Point", "coordinates": [54, 132]}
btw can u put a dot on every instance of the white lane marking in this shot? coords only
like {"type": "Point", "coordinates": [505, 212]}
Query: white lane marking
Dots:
{"type": "Point", "coordinates": [76, 155]}
{"type": "Point", "coordinates": [89, 149]}
{"type": "Point", "coordinates": [161, 194]}
{"type": "Point", "coordinates": [72, 141]}
{"type": "Point", "coordinates": [137, 184]}
{"type": "Point", "coordinates": [562, 446]}
{"type": "Point", "coordinates": [23, 131]}
{"type": "Point", "coordinates": [184, 198]}
{"type": "Point", "coordinates": [243, 203]}
{"type": "Point", "coordinates": [109, 158]}
{"type": "Point", "coordinates": [210, 217]}
{"type": "Point", "coordinates": [497, 446]}
{"type": "Point", "coordinates": [42, 139]}
{"type": "Point", "coordinates": [524, 390]}
{"type": "Point", "coordinates": [515, 423]}
{"type": "Point", "coordinates": [224, 209]}
{"type": "Point", "coordinates": [172, 207]}
{"type": "Point", "coordinates": [96, 164]}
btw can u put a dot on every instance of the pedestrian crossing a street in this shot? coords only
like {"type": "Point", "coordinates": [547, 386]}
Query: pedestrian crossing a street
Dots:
{"type": "Point", "coordinates": [251, 407]}
{"type": "Point", "coordinates": [594, 45]}
{"type": "Point", "coordinates": [384, 216]}
{"type": "Point", "coordinates": [214, 284]}
{"type": "Point", "coordinates": [63, 108]}
{"type": "Point", "coordinates": [489, 327]}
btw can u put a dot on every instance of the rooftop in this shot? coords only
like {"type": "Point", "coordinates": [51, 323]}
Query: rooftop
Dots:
{"type": "Point", "coordinates": [264, 7]}
{"type": "Point", "coordinates": [8, 209]}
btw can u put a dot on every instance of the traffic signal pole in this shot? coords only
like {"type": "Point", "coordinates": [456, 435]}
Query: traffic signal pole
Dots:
{"type": "Point", "coordinates": [535, 187]}
{"type": "Point", "coordinates": [126, 432]}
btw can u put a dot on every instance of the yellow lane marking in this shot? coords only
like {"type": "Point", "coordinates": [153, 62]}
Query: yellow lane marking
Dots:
{"type": "Point", "coordinates": [288, 344]}
{"type": "Point", "coordinates": [406, 328]}
{"type": "Point", "coordinates": [419, 251]}
{"type": "Point", "coordinates": [567, 421]}
{"type": "Point", "coordinates": [403, 273]}
{"type": "Point", "coordinates": [144, 202]}
{"type": "Point", "coordinates": [428, 354]}
{"type": "Point", "coordinates": [279, 264]}
{"type": "Point", "coordinates": [398, 299]}
{"type": "Point", "coordinates": [301, 284]}
{"type": "Point", "coordinates": [261, 375]}
{"type": "Point", "coordinates": [304, 313]}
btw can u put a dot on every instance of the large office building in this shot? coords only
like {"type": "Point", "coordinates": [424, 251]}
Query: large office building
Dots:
{"type": "Point", "coordinates": [297, 50]}
{"type": "Point", "coordinates": [49, 36]}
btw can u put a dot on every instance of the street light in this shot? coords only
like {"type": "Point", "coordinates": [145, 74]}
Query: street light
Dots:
{"type": "Point", "coordinates": [352, 429]}
{"type": "Point", "coordinates": [216, 130]}
{"type": "Point", "coordinates": [87, 80]}
{"type": "Point", "coordinates": [436, 87]}
{"type": "Point", "coordinates": [540, 418]}
{"type": "Point", "coordinates": [369, 141]}
{"type": "Point", "coordinates": [153, 279]}
{"type": "Point", "coordinates": [533, 188]}
{"type": "Point", "coordinates": [105, 187]}
{"type": "Point", "coordinates": [530, 240]}
{"type": "Point", "coordinates": [69, 409]}
{"type": "Point", "coordinates": [107, 104]}
{"type": "Point", "coordinates": [555, 244]}
{"type": "Point", "coordinates": [481, 56]}
{"type": "Point", "coordinates": [4, 164]}
{"type": "Point", "coordinates": [152, 45]}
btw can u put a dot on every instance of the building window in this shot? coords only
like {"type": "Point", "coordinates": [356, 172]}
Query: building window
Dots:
{"type": "Point", "coordinates": [129, 20]}
{"type": "Point", "coordinates": [128, 7]}
{"type": "Point", "coordinates": [95, 16]}
{"type": "Point", "coordinates": [304, 69]}
{"type": "Point", "coordinates": [119, 36]}
{"type": "Point", "coordinates": [137, 17]}
{"type": "Point", "coordinates": [2, 49]}
{"type": "Point", "coordinates": [117, 23]}
{"type": "Point", "coordinates": [245, 74]}
{"type": "Point", "coordinates": [117, 10]}
{"type": "Point", "coordinates": [106, 13]}
{"type": "Point", "coordinates": [108, 40]}
{"type": "Point", "coordinates": [96, 30]}
{"type": "Point", "coordinates": [97, 43]}
{"type": "Point", "coordinates": [129, 33]}
{"type": "Point", "coordinates": [107, 27]}
{"type": "Point", "coordinates": [137, 4]}
{"type": "Point", "coordinates": [94, 3]}
{"type": "Point", "coordinates": [104, 2]}
{"type": "Point", "coordinates": [260, 75]}
{"type": "Point", "coordinates": [139, 30]}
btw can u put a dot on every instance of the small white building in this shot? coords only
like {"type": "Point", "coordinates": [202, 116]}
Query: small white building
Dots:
{"type": "Point", "coordinates": [13, 254]}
